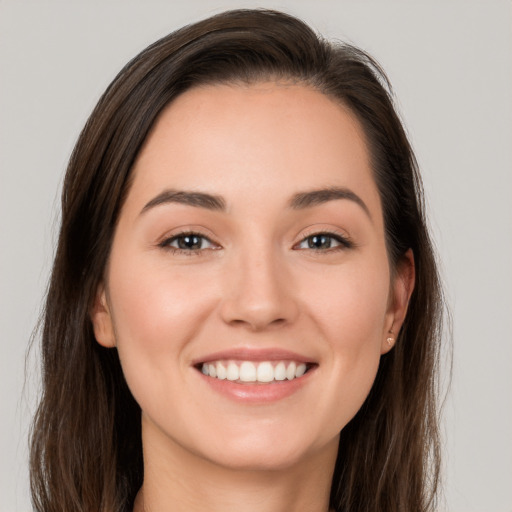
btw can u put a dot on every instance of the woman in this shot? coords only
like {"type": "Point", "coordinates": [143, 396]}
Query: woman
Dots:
{"type": "Point", "coordinates": [244, 311]}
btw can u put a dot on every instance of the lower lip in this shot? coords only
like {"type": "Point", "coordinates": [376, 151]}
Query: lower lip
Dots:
{"type": "Point", "coordinates": [254, 393]}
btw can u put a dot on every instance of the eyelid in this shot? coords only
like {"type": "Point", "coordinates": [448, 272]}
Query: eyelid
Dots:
{"type": "Point", "coordinates": [168, 238]}
{"type": "Point", "coordinates": [187, 229]}
{"type": "Point", "coordinates": [341, 237]}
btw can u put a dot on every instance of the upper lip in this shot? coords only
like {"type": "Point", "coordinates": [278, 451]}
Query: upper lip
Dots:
{"type": "Point", "coordinates": [254, 354]}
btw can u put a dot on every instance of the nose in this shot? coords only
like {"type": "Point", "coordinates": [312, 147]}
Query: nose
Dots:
{"type": "Point", "coordinates": [259, 292]}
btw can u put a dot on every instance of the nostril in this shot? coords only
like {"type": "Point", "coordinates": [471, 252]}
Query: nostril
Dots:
{"type": "Point", "coordinates": [258, 324]}
{"type": "Point", "coordinates": [258, 299]}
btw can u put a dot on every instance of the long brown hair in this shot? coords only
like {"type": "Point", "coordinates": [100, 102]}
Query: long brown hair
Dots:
{"type": "Point", "coordinates": [86, 451]}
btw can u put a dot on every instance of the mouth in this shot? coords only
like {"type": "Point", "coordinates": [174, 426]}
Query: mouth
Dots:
{"type": "Point", "coordinates": [255, 372]}
{"type": "Point", "coordinates": [255, 376]}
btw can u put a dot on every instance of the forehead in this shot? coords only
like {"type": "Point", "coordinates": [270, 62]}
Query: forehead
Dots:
{"type": "Point", "coordinates": [255, 141]}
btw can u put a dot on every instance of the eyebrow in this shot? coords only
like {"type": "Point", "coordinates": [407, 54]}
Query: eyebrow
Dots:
{"type": "Point", "coordinates": [299, 201]}
{"type": "Point", "coordinates": [304, 200]}
{"type": "Point", "coordinates": [198, 199]}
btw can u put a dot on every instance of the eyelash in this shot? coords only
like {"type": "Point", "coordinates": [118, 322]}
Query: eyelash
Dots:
{"type": "Point", "coordinates": [165, 244]}
{"type": "Point", "coordinates": [343, 240]}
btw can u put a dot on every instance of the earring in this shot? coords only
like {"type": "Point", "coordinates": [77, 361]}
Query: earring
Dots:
{"type": "Point", "coordinates": [390, 340]}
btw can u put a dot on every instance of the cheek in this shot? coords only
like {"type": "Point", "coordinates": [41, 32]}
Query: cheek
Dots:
{"type": "Point", "coordinates": [155, 316]}
{"type": "Point", "coordinates": [349, 308]}
{"type": "Point", "coordinates": [157, 304]}
{"type": "Point", "coordinates": [350, 305]}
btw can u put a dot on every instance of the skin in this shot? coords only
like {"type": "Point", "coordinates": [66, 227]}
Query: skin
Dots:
{"type": "Point", "coordinates": [255, 283]}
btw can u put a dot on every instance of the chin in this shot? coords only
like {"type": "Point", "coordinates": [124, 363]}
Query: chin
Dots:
{"type": "Point", "coordinates": [268, 451]}
{"type": "Point", "coordinates": [251, 459]}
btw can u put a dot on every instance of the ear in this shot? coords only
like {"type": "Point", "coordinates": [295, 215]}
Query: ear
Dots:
{"type": "Point", "coordinates": [402, 286]}
{"type": "Point", "coordinates": [102, 319]}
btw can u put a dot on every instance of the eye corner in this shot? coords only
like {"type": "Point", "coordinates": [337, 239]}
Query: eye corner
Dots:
{"type": "Point", "coordinates": [324, 240]}
{"type": "Point", "coordinates": [188, 242]}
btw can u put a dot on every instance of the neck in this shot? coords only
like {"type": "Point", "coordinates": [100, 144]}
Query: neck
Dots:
{"type": "Point", "coordinates": [176, 480]}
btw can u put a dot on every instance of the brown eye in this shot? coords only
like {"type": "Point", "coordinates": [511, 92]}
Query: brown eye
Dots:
{"type": "Point", "coordinates": [319, 242]}
{"type": "Point", "coordinates": [191, 242]}
{"type": "Point", "coordinates": [188, 242]}
{"type": "Point", "coordinates": [324, 241]}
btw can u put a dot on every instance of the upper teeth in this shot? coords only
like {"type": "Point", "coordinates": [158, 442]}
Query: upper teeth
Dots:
{"type": "Point", "coordinates": [248, 371]}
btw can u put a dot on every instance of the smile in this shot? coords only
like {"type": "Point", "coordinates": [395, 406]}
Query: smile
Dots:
{"type": "Point", "coordinates": [263, 372]}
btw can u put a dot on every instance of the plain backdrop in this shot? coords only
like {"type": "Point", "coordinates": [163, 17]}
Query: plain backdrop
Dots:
{"type": "Point", "coordinates": [451, 66]}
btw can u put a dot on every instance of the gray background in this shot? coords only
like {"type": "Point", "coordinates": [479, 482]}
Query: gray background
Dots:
{"type": "Point", "coordinates": [450, 64]}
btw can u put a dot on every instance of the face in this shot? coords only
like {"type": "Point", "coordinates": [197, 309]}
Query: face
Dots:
{"type": "Point", "coordinates": [248, 289]}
